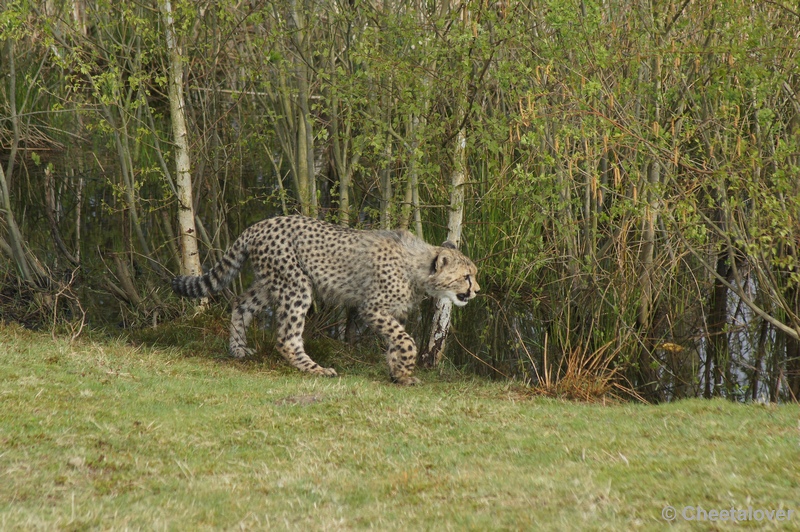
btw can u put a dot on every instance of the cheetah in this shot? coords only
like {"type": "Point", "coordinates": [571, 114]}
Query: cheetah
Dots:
{"type": "Point", "coordinates": [380, 273]}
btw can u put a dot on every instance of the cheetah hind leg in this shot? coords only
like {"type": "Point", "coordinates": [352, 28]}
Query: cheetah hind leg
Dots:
{"type": "Point", "coordinates": [292, 314]}
{"type": "Point", "coordinates": [292, 350]}
{"type": "Point", "coordinates": [246, 306]}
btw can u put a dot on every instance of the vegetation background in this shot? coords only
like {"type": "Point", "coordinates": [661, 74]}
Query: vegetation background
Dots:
{"type": "Point", "coordinates": [625, 174]}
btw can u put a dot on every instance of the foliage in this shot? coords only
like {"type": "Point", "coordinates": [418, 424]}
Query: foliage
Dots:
{"type": "Point", "coordinates": [632, 166]}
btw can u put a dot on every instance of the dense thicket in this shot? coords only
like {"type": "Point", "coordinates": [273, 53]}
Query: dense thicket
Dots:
{"type": "Point", "coordinates": [632, 168]}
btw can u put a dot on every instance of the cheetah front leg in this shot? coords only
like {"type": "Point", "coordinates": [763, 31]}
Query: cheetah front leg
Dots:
{"type": "Point", "coordinates": [402, 352]}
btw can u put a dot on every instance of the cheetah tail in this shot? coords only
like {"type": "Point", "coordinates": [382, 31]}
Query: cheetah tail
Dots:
{"type": "Point", "coordinates": [217, 277]}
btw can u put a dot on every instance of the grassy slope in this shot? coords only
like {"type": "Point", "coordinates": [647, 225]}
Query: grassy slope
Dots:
{"type": "Point", "coordinates": [103, 434]}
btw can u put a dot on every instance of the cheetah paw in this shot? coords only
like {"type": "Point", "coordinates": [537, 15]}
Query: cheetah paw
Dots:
{"type": "Point", "coordinates": [242, 352]}
{"type": "Point", "coordinates": [328, 372]}
{"type": "Point", "coordinates": [406, 380]}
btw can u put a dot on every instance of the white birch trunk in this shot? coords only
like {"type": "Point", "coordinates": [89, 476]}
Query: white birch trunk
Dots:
{"type": "Point", "coordinates": [190, 259]}
{"type": "Point", "coordinates": [432, 353]}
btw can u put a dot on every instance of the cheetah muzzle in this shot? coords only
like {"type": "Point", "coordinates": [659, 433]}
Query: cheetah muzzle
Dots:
{"type": "Point", "coordinates": [380, 273]}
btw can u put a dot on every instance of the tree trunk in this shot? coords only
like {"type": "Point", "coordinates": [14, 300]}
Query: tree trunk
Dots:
{"type": "Point", "coordinates": [432, 353]}
{"type": "Point", "coordinates": [647, 376]}
{"type": "Point", "coordinates": [341, 145]}
{"type": "Point", "coordinates": [307, 184]}
{"type": "Point", "coordinates": [410, 209]}
{"type": "Point", "coordinates": [793, 350]}
{"type": "Point", "coordinates": [190, 259]}
{"type": "Point", "coordinates": [27, 269]}
{"type": "Point", "coordinates": [386, 186]}
{"type": "Point", "coordinates": [717, 347]}
{"type": "Point", "coordinates": [761, 351]}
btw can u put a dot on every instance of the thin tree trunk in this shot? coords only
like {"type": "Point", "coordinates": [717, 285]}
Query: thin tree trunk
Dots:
{"type": "Point", "coordinates": [432, 353]}
{"type": "Point", "coordinates": [307, 189]}
{"type": "Point", "coordinates": [126, 171]}
{"type": "Point", "coordinates": [414, 178]}
{"type": "Point", "coordinates": [52, 219]}
{"type": "Point", "coordinates": [386, 186]}
{"type": "Point", "coordinates": [647, 376]}
{"type": "Point", "coordinates": [304, 168]}
{"type": "Point", "coordinates": [793, 351]}
{"type": "Point", "coordinates": [190, 259]}
{"type": "Point", "coordinates": [761, 351]}
{"type": "Point", "coordinates": [15, 245]}
{"type": "Point", "coordinates": [411, 200]}
{"type": "Point", "coordinates": [342, 144]}
{"type": "Point", "coordinates": [27, 270]}
{"type": "Point", "coordinates": [717, 347]}
{"type": "Point", "coordinates": [405, 207]}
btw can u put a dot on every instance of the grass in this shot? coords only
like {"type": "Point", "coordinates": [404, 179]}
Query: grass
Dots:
{"type": "Point", "coordinates": [161, 434]}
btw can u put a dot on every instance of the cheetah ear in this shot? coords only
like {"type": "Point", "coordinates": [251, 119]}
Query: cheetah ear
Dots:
{"type": "Point", "coordinates": [441, 261]}
{"type": "Point", "coordinates": [449, 245]}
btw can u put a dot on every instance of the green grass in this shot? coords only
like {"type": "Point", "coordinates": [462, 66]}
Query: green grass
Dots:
{"type": "Point", "coordinates": [105, 434]}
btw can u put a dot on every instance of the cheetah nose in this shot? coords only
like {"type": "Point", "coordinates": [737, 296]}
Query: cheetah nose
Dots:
{"type": "Point", "coordinates": [473, 285]}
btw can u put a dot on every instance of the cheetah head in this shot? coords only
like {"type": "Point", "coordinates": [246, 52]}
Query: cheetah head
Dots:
{"type": "Point", "coordinates": [453, 276]}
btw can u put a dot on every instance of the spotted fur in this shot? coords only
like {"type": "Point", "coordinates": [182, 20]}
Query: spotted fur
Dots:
{"type": "Point", "coordinates": [380, 273]}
